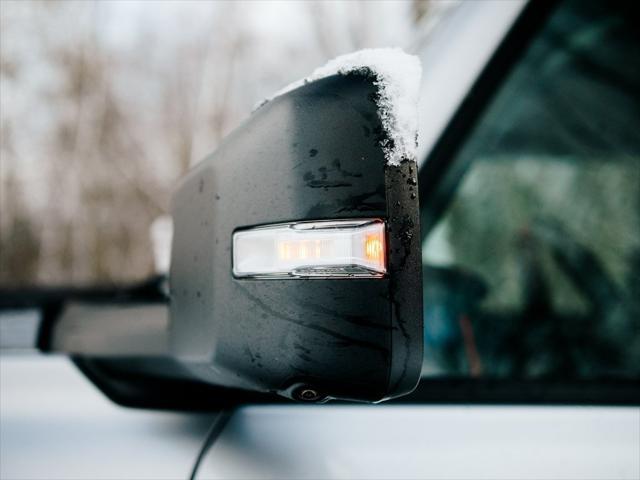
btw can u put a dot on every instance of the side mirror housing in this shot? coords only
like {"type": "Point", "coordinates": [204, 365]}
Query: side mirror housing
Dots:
{"type": "Point", "coordinates": [317, 156]}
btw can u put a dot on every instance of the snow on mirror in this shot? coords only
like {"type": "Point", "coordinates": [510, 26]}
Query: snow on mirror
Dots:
{"type": "Point", "coordinates": [397, 77]}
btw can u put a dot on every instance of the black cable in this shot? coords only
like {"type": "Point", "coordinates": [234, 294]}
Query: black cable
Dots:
{"type": "Point", "coordinates": [214, 432]}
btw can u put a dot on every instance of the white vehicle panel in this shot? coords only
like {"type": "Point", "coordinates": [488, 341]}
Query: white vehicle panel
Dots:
{"type": "Point", "coordinates": [54, 423]}
{"type": "Point", "coordinates": [454, 54]}
{"type": "Point", "coordinates": [422, 441]}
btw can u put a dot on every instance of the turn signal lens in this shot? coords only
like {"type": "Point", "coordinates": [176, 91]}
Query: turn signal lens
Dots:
{"type": "Point", "coordinates": [335, 248]}
{"type": "Point", "coordinates": [374, 248]}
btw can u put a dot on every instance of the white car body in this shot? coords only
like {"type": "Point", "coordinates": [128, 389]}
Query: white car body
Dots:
{"type": "Point", "coordinates": [55, 424]}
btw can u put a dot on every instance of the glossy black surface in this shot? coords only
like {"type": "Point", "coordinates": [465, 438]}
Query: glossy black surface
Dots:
{"type": "Point", "coordinates": [312, 154]}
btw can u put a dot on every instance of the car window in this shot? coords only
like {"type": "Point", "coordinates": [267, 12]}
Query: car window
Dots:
{"type": "Point", "coordinates": [533, 268]}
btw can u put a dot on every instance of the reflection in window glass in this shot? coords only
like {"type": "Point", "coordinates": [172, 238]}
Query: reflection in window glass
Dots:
{"type": "Point", "coordinates": [533, 270]}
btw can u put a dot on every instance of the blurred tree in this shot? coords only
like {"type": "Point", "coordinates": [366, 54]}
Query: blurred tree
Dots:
{"type": "Point", "coordinates": [106, 104]}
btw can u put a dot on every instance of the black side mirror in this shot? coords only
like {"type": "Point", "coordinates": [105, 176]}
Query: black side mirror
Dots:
{"type": "Point", "coordinates": [296, 263]}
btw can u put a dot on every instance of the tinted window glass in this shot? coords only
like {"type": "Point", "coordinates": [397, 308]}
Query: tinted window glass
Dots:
{"type": "Point", "coordinates": [533, 269]}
